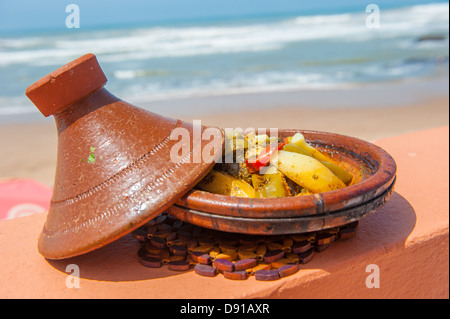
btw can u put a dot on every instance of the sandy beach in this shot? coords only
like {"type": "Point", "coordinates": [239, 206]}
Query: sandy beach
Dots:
{"type": "Point", "coordinates": [28, 149]}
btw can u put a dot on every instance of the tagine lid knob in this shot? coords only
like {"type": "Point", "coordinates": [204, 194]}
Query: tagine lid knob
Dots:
{"type": "Point", "coordinates": [67, 85]}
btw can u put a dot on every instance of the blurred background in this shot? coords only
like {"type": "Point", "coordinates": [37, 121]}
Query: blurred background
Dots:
{"type": "Point", "coordinates": [157, 51]}
{"type": "Point", "coordinates": [365, 69]}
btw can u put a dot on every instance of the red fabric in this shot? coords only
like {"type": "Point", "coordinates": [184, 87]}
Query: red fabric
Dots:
{"type": "Point", "coordinates": [22, 197]}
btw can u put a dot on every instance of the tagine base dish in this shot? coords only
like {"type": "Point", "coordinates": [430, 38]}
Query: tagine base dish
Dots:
{"type": "Point", "coordinates": [374, 171]}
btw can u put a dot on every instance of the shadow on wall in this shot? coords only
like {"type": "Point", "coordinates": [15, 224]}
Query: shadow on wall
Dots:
{"type": "Point", "coordinates": [386, 228]}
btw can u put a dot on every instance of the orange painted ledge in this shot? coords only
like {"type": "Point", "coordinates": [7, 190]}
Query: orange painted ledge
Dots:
{"type": "Point", "coordinates": [407, 240]}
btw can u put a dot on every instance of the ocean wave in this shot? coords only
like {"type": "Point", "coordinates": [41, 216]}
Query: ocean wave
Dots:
{"type": "Point", "coordinates": [159, 42]}
{"type": "Point", "coordinates": [16, 110]}
{"type": "Point", "coordinates": [132, 74]}
{"type": "Point", "coordinates": [271, 81]}
{"type": "Point", "coordinates": [277, 54]}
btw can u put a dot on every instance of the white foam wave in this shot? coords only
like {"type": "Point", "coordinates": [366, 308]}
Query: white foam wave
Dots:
{"type": "Point", "coordinates": [261, 82]}
{"type": "Point", "coordinates": [16, 110]}
{"type": "Point", "coordinates": [157, 42]}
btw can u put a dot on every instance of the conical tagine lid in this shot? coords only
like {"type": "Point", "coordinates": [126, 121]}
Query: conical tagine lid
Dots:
{"type": "Point", "coordinates": [118, 166]}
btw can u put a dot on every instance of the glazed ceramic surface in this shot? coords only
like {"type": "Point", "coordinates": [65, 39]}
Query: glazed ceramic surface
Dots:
{"type": "Point", "coordinates": [114, 169]}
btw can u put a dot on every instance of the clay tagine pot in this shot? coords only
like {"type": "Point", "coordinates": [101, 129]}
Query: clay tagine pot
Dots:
{"type": "Point", "coordinates": [114, 171]}
{"type": "Point", "coordinates": [374, 171]}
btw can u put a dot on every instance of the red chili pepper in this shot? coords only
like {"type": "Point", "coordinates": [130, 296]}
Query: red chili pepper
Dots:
{"type": "Point", "coordinates": [264, 157]}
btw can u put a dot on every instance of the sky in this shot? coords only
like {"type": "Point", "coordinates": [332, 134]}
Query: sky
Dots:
{"type": "Point", "coordinates": [28, 15]}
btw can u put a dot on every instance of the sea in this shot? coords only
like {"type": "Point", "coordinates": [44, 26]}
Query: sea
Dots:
{"type": "Point", "coordinates": [239, 54]}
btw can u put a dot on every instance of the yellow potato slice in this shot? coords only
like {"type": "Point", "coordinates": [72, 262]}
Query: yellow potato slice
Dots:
{"type": "Point", "coordinates": [299, 145]}
{"type": "Point", "coordinates": [308, 172]}
{"type": "Point", "coordinates": [270, 185]}
{"type": "Point", "coordinates": [224, 184]}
